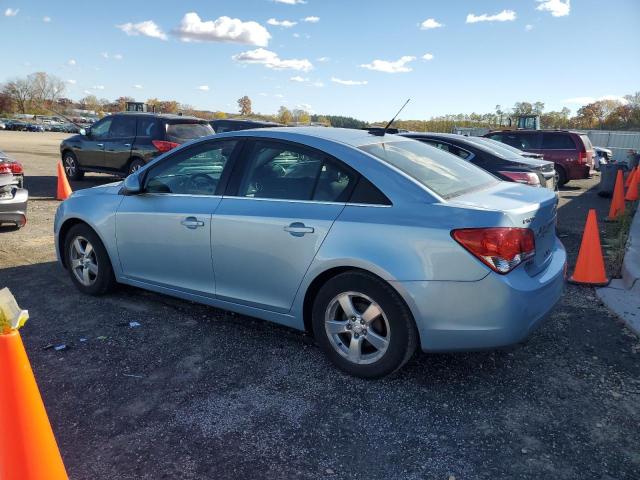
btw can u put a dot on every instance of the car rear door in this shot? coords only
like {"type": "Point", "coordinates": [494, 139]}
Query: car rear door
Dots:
{"type": "Point", "coordinates": [117, 151]}
{"type": "Point", "coordinates": [280, 205]}
{"type": "Point", "coordinates": [164, 234]}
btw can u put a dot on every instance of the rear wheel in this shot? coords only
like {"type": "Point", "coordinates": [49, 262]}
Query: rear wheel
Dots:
{"type": "Point", "coordinates": [135, 165]}
{"type": "Point", "coordinates": [363, 325]}
{"type": "Point", "coordinates": [87, 261]}
{"type": "Point", "coordinates": [561, 176]}
{"type": "Point", "coordinates": [71, 167]}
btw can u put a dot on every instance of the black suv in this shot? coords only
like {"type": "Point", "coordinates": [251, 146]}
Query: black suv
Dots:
{"type": "Point", "coordinates": [122, 143]}
{"type": "Point", "coordinates": [231, 125]}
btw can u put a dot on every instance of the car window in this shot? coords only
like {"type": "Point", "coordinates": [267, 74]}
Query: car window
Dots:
{"type": "Point", "coordinates": [447, 147]}
{"type": "Point", "coordinates": [557, 141]}
{"type": "Point", "coordinates": [290, 172]}
{"type": "Point", "coordinates": [147, 127]}
{"type": "Point", "coordinates": [441, 172]}
{"type": "Point", "coordinates": [587, 142]}
{"type": "Point", "coordinates": [101, 129]}
{"type": "Point", "coordinates": [193, 171]}
{"type": "Point", "coordinates": [123, 126]}
{"type": "Point", "coordinates": [183, 132]}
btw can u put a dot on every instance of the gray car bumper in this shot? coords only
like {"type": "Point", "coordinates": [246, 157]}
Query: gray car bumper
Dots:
{"type": "Point", "coordinates": [14, 209]}
{"type": "Point", "coordinates": [496, 311]}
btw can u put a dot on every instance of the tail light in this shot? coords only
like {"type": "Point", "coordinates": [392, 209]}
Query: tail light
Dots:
{"type": "Point", "coordinates": [163, 146]}
{"type": "Point", "coordinates": [500, 248]}
{"type": "Point", "coordinates": [582, 158]}
{"type": "Point", "coordinates": [528, 178]}
{"type": "Point", "coordinates": [11, 167]}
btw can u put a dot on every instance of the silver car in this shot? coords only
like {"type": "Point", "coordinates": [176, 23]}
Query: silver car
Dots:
{"type": "Point", "coordinates": [375, 244]}
{"type": "Point", "coordinates": [13, 201]}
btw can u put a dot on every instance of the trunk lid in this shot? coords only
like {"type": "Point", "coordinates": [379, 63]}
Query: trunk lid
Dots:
{"type": "Point", "coordinates": [523, 207]}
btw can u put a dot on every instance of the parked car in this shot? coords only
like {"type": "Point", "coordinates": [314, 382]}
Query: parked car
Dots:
{"type": "Point", "coordinates": [13, 201]}
{"type": "Point", "coordinates": [376, 244]}
{"type": "Point", "coordinates": [16, 126]}
{"type": "Point", "coordinates": [9, 166]}
{"type": "Point", "coordinates": [34, 127]}
{"type": "Point", "coordinates": [3, 126]}
{"type": "Point", "coordinates": [571, 151]}
{"type": "Point", "coordinates": [504, 164]}
{"type": "Point", "coordinates": [495, 143]}
{"type": "Point", "coordinates": [602, 156]}
{"type": "Point", "coordinates": [122, 143]}
{"type": "Point", "coordinates": [232, 125]}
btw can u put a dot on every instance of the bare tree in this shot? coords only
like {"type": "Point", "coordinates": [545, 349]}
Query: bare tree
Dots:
{"type": "Point", "coordinates": [46, 89]}
{"type": "Point", "coordinates": [20, 91]}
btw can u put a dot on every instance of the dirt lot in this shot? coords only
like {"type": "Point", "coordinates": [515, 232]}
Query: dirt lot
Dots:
{"type": "Point", "coordinates": [196, 392]}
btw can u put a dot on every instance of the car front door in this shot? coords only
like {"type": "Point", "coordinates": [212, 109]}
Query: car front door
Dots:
{"type": "Point", "coordinates": [279, 207]}
{"type": "Point", "coordinates": [90, 152]}
{"type": "Point", "coordinates": [164, 233]}
{"type": "Point", "coordinates": [117, 149]}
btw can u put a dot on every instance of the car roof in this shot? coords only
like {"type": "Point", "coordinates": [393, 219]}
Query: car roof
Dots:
{"type": "Point", "coordinates": [347, 136]}
{"type": "Point", "coordinates": [545, 130]}
{"type": "Point", "coordinates": [247, 120]}
{"type": "Point", "coordinates": [168, 116]}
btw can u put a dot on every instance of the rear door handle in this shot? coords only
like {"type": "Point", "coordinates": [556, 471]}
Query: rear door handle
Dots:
{"type": "Point", "coordinates": [298, 229]}
{"type": "Point", "coordinates": [192, 223]}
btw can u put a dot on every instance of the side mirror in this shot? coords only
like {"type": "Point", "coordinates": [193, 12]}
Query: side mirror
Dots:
{"type": "Point", "coordinates": [83, 132]}
{"type": "Point", "coordinates": [132, 185]}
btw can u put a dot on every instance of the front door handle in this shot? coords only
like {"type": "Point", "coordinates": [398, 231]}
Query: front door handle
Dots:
{"type": "Point", "coordinates": [298, 229]}
{"type": "Point", "coordinates": [192, 222]}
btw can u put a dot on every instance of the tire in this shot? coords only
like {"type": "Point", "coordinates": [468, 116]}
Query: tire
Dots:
{"type": "Point", "coordinates": [71, 166]}
{"type": "Point", "coordinates": [393, 324]}
{"type": "Point", "coordinates": [100, 272]}
{"type": "Point", "coordinates": [135, 165]}
{"type": "Point", "coordinates": [562, 176]}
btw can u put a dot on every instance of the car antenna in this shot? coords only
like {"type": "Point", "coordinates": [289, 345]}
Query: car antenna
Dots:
{"type": "Point", "coordinates": [64, 116]}
{"type": "Point", "coordinates": [384, 130]}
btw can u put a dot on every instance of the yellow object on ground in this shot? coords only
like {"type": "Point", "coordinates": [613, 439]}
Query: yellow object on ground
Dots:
{"type": "Point", "coordinates": [11, 316]}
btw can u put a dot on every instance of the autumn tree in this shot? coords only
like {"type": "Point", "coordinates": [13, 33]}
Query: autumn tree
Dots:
{"type": "Point", "coordinates": [219, 115]}
{"type": "Point", "coordinates": [20, 91]}
{"type": "Point", "coordinates": [90, 102]}
{"type": "Point", "coordinates": [284, 115]}
{"type": "Point", "coordinates": [244, 105]}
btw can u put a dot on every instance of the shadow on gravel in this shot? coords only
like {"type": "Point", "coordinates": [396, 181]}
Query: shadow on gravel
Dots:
{"type": "Point", "coordinates": [45, 186]}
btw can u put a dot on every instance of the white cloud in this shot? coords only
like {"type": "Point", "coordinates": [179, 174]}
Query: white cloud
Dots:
{"type": "Point", "coordinates": [427, 56]}
{"type": "Point", "coordinates": [557, 8]}
{"type": "Point", "coordinates": [318, 84]}
{"type": "Point", "coordinates": [271, 60]}
{"type": "Point", "coordinates": [348, 82]}
{"type": "Point", "coordinates": [305, 106]}
{"type": "Point", "coordinates": [46, 19]}
{"type": "Point", "coordinates": [105, 54]}
{"type": "Point", "coordinates": [87, 92]}
{"type": "Point", "coordinates": [72, 62]}
{"type": "Point", "coordinates": [71, 82]}
{"type": "Point", "coordinates": [262, 94]}
{"type": "Point", "coordinates": [281, 23]}
{"type": "Point", "coordinates": [147, 28]}
{"type": "Point", "coordinates": [203, 88]}
{"type": "Point", "coordinates": [299, 79]}
{"type": "Point", "coordinates": [223, 29]}
{"type": "Point", "coordinates": [98, 87]}
{"type": "Point", "coordinates": [528, 27]}
{"type": "Point", "coordinates": [323, 59]}
{"type": "Point", "coordinates": [291, 2]}
{"type": "Point", "coordinates": [11, 12]}
{"type": "Point", "coordinates": [296, 35]}
{"type": "Point", "coordinates": [118, 56]}
{"type": "Point", "coordinates": [279, 95]}
{"type": "Point", "coordinates": [586, 100]}
{"type": "Point", "coordinates": [398, 66]}
{"type": "Point", "coordinates": [430, 23]}
{"type": "Point", "coordinates": [138, 87]}
{"type": "Point", "coordinates": [311, 19]}
{"type": "Point", "coordinates": [503, 16]}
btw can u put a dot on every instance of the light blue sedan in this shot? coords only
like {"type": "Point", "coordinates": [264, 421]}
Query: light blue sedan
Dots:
{"type": "Point", "coordinates": [376, 244]}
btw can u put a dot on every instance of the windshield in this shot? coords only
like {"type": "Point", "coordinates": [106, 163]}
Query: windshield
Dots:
{"type": "Point", "coordinates": [439, 171]}
{"type": "Point", "coordinates": [496, 148]}
{"type": "Point", "coordinates": [183, 132]}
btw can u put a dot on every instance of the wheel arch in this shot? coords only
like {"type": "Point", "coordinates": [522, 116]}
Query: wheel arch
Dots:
{"type": "Point", "coordinates": [64, 231]}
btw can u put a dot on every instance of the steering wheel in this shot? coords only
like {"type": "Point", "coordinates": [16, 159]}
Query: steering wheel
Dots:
{"type": "Point", "coordinates": [202, 182]}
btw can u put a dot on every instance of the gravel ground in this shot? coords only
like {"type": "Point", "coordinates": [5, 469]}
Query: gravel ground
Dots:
{"type": "Point", "coordinates": [196, 392]}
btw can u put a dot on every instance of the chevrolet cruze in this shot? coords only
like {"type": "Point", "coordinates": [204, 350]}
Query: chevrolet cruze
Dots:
{"type": "Point", "coordinates": [376, 244]}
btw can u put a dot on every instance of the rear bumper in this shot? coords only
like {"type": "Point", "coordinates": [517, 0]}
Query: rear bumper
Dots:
{"type": "Point", "coordinates": [496, 311]}
{"type": "Point", "coordinates": [579, 172]}
{"type": "Point", "coordinates": [14, 210]}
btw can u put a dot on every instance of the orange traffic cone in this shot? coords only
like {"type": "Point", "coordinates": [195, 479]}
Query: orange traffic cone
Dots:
{"type": "Point", "coordinates": [617, 203]}
{"type": "Point", "coordinates": [29, 450]}
{"type": "Point", "coordinates": [590, 266]}
{"type": "Point", "coordinates": [632, 192]}
{"type": "Point", "coordinates": [627, 182]}
{"type": "Point", "coordinates": [64, 189]}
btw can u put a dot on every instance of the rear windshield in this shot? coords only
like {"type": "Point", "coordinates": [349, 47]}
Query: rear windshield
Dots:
{"type": "Point", "coordinates": [439, 171]}
{"type": "Point", "coordinates": [587, 142]}
{"type": "Point", "coordinates": [183, 132]}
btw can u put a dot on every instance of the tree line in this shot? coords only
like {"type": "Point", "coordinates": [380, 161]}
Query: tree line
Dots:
{"type": "Point", "coordinates": [41, 94]}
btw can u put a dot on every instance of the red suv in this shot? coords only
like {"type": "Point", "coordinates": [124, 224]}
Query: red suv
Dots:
{"type": "Point", "coordinates": [571, 152]}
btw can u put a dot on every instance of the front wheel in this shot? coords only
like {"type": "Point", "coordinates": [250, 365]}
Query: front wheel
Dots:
{"type": "Point", "coordinates": [71, 167]}
{"type": "Point", "coordinates": [363, 325]}
{"type": "Point", "coordinates": [87, 261]}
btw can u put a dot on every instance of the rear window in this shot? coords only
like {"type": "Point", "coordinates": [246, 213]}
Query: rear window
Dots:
{"type": "Point", "coordinates": [587, 142]}
{"type": "Point", "coordinates": [439, 171]}
{"type": "Point", "coordinates": [557, 141]}
{"type": "Point", "coordinates": [183, 132]}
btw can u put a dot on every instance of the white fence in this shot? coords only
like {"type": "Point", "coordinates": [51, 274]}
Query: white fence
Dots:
{"type": "Point", "coordinates": [618, 142]}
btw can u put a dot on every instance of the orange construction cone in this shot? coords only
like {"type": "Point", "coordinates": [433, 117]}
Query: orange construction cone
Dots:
{"type": "Point", "coordinates": [617, 202]}
{"type": "Point", "coordinates": [64, 189]}
{"type": "Point", "coordinates": [627, 182]}
{"type": "Point", "coordinates": [590, 266]}
{"type": "Point", "coordinates": [29, 450]}
{"type": "Point", "coordinates": [632, 192]}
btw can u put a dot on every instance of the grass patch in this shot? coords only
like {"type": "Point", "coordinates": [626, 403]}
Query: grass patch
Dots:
{"type": "Point", "coordinates": [615, 241]}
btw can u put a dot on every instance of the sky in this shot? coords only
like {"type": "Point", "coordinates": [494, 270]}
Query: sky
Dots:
{"type": "Point", "coordinates": [360, 58]}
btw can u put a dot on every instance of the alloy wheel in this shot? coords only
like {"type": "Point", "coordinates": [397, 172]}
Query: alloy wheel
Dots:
{"type": "Point", "coordinates": [357, 328]}
{"type": "Point", "coordinates": [70, 166]}
{"type": "Point", "coordinates": [84, 263]}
